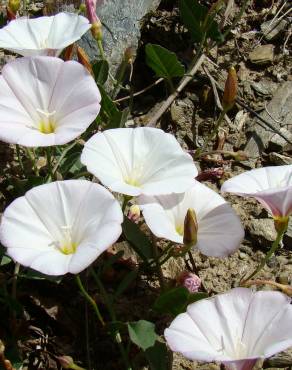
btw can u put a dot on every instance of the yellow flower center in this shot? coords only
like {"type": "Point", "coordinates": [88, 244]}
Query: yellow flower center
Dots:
{"type": "Point", "coordinates": [69, 248]}
{"type": "Point", "coordinates": [47, 124]}
{"type": "Point", "coordinates": [180, 229]}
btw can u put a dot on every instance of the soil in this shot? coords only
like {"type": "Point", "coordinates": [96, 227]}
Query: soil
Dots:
{"type": "Point", "coordinates": [56, 319]}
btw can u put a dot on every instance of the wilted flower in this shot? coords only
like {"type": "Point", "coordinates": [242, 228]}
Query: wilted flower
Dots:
{"type": "Point", "coordinates": [134, 213]}
{"type": "Point", "coordinates": [45, 101]}
{"type": "Point", "coordinates": [219, 231]}
{"type": "Point", "coordinates": [190, 281]}
{"type": "Point", "coordinates": [230, 90]}
{"type": "Point", "coordinates": [234, 328]}
{"type": "Point", "coordinates": [139, 161]}
{"type": "Point", "coordinates": [43, 35]}
{"type": "Point", "coordinates": [61, 227]}
{"type": "Point", "coordinates": [271, 186]}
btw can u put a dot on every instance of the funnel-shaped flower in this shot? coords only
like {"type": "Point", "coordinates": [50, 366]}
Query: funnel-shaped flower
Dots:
{"type": "Point", "coordinates": [271, 186]}
{"type": "Point", "coordinates": [45, 101]}
{"type": "Point", "coordinates": [235, 328]}
{"type": "Point", "coordinates": [61, 227]}
{"type": "Point", "coordinates": [43, 35]}
{"type": "Point", "coordinates": [139, 161]}
{"type": "Point", "coordinates": [219, 231]}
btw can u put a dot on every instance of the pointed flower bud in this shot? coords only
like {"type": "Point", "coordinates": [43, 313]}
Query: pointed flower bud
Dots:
{"type": "Point", "coordinates": [84, 59]}
{"type": "Point", "coordinates": [190, 228]}
{"type": "Point", "coordinates": [230, 90]}
{"type": "Point", "coordinates": [96, 30]}
{"type": "Point", "coordinates": [134, 213]}
{"type": "Point", "coordinates": [190, 281]}
{"type": "Point", "coordinates": [14, 5]}
{"type": "Point", "coordinates": [67, 362]}
{"type": "Point", "coordinates": [91, 11]}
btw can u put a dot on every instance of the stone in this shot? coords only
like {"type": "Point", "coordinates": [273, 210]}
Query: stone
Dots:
{"type": "Point", "coordinates": [121, 28]}
{"type": "Point", "coordinates": [272, 29]}
{"type": "Point", "coordinates": [279, 159]}
{"type": "Point", "coordinates": [287, 239]}
{"type": "Point", "coordinates": [262, 54]}
{"type": "Point", "coordinates": [262, 231]}
{"type": "Point", "coordinates": [280, 109]}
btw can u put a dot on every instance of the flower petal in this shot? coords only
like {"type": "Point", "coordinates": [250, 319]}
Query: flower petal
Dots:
{"type": "Point", "coordinates": [43, 35]}
{"type": "Point", "coordinates": [34, 227]}
{"type": "Point", "coordinates": [235, 328]}
{"type": "Point", "coordinates": [165, 216]}
{"type": "Point", "coordinates": [35, 89]}
{"type": "Point", "coordinates": [272, 186]}
{"type": "Point", "coordinates": [139, 161]}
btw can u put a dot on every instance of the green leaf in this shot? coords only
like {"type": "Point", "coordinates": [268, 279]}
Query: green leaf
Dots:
{"type": "Point", "coordinates": [175, 301]}
{"type": "Point", "coordinates": [100, 70]}
{"type": "Point", "coordinates": [110, 114]}
{"type": "Point", "coordinates": [163, 62]}
{"type": "Point", "coordinates": [172, 301]}
{"type": "Point", "coordinates": [193, 16]}
{"type": "Point", "coordinates": [138, 240]}
{"type": "Point", "coordinates": [157, 356]}
{"type": "Point", "coordinates": [142, 333]}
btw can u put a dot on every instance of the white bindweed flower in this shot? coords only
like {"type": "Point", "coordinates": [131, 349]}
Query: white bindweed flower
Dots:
{"type": "Point", "coordinates": [219, 231]}
{"type": "Point", "coordinates": [43, 35]}
{"type": "Point", "coordinates": [139, 161]}
{"type": "Point", "coordinates": [271, 186]}
{"type": "Point", "coordinates": [46, 101]}
{"type": "Point", "coordinates": [235, 328]}
{"type": "Point", "coordinates": [61, 227]}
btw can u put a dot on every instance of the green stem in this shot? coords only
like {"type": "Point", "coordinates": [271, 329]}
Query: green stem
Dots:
{"type": "Point", "coordinates": [273, 249]}
{"type": "Point", "coordinates": [111, 311]}
{"type": "Point", "coordinates": [89, 299]}
{"type": "Point", "coordinates": [212, 134]}
{"type": "Point", "coordinates": [50, 176]}
{"type": "Point", "coordinates": [100, 47]}
{"type": "Point", "coordinates": [62, 156]}
{"type": "Point", "coordinates": [20, 159]}
{"type": "Point", "coordinates": [33, 161]}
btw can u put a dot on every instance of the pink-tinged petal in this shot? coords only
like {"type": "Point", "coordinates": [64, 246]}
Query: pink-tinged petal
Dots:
{"type": "Point", "coordinates": [165, 216]}
{"type": "Point", "coordinates": [43, 36]}
{"type": "Point", "coordinates": [272, 186]}
{"type": "Point", "coordinates": [61, 227]}
{"type": "Point", "coordinates": [35, 91]}
{"type": "Point", "coordinates": [234, 328]}
{"type": "Point", "coordinates": [240, 365]}
{"type": "Point", "coordinates": [139, 161]}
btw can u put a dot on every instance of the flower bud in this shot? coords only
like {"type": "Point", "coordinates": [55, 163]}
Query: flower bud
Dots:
{"type": "Point", "coordinates": [190, 281]}
{"type": "Point", "coordinates": [190, 228]}
{"type": "Point", "coordinates": [96, 30]}
{"type": "Point", "coordinates": [83, 59]}
{"type": "Point", "coordinates": [67, 362]}
{"type": "Point", "coordinates": [14, 5]}
{"type": "Point", "coordinates": [230, 90]}
{"type": "Point", "coordinates": [91, 11]}
{"type": "Point", "coordinates": [68, 53]}
{"type": "Point", "coordinates": [129, 55]}
{"type": "Point", "coordinates": [134, 213]}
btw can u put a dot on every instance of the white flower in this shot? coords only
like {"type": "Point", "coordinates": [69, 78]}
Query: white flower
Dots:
{"type": "Point", "coordinates": [46, 101]}
{"type": "Point", "coordinates": [139, 161]}
{"type": "Point", "coordinates": [61, 227]}
{"type": "Point", "coordinates": [219, 229]}
{"type": "Point", "coordinates": [271, 186]}
{"type": "Point", "coordinates": [43, 35]}
{"type": "Point", "coordinates": [235, 328]}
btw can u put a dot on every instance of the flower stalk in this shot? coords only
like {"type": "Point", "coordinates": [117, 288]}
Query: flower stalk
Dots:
{"type": "Point", "coordinates": [90, 300]}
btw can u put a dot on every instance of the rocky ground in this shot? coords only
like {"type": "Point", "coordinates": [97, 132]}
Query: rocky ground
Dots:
{"type": "Point", "coordinates": [55, 317]}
